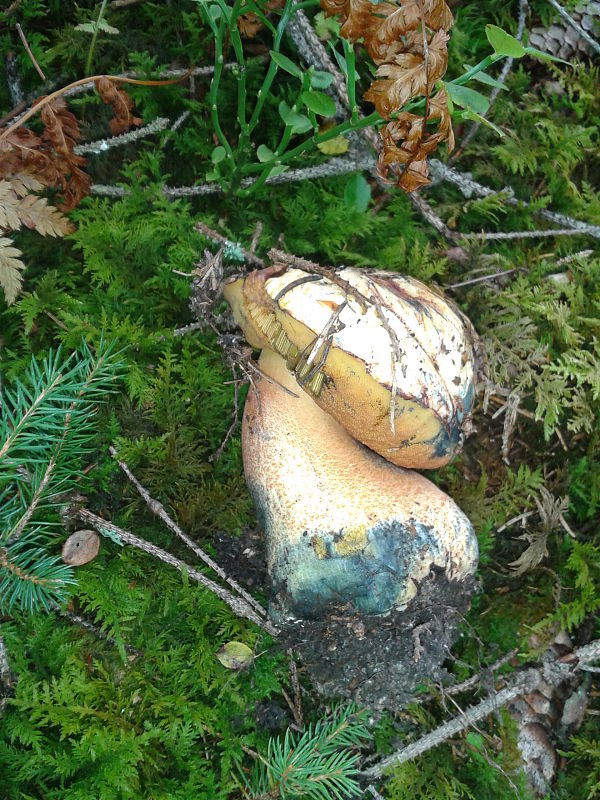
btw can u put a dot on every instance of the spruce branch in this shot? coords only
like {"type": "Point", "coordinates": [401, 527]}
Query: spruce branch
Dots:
{"type": "Point", "coordinates": [320, 764]}
{"type": "Point", "coordinates": [47, 426]}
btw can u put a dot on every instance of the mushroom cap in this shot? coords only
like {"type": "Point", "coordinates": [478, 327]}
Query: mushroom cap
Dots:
{"type": "Point", "coordinates": [364, 342]}
{"type": "Point", "coordinates": [345, 529]}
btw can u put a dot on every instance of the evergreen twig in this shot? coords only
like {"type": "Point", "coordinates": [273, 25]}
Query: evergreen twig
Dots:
{"type": "Point", "coordinates": [47, 425]}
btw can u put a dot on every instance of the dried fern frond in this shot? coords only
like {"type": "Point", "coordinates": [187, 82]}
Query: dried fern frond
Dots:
{"type": "Point", "coordinates": [408, 42]}
{"type": "Point", "coordinates": [11, 267]}
{"type": "Point", "coordinates": [121, 103]}
{"type": "Point", "coordinates": [18, 207]}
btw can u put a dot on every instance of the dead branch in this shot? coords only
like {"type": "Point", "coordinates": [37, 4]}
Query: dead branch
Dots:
{"type": "Point", "coordinates": [483, 235]}
{"type": "Point", "coordinates": [238, 605]}
{"type": "Point", "coordinates": [82, 622]}
{"type": "Point", "coordinates": [314, 268]}
{"type": "Point", "coordinates": [101, 145]}
{"type": "Point", "coordinates": [29, 53]}
{"type": "Point", "coordinates": [525, 683]}
{"type": "Point", "coordinates": [159, 510]}
{"type": "Point", "coordinates": [469, 187]}
{"type": "Point", "coordinates": [6, 677]}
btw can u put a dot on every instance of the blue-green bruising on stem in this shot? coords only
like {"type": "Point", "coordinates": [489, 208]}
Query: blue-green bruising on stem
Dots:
{"type": "Point", "coordinates": [371, 573]}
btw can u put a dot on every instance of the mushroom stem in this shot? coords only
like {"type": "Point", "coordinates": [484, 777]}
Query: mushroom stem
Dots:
{"type": "Point", "coordinates": [346, 530]}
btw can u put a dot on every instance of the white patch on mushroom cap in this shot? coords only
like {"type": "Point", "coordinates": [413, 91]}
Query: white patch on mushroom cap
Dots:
{"type": "Point", "coordinates": [436, 364]}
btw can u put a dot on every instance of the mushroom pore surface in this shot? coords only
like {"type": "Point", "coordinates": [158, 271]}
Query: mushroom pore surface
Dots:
{"type": "Point", "coordinates": [345, 529]}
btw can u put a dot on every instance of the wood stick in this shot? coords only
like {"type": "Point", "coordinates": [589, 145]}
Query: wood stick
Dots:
{"type": "Point", "coordinates": [238, 605]}
{"type": "Point", "coordinates": [159, 510]}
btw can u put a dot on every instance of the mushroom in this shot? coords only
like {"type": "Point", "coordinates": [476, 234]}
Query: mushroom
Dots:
{"type": "Point", "coordinates": [355, 366]}
{"type": "Point", "coordinates": [384, 355]}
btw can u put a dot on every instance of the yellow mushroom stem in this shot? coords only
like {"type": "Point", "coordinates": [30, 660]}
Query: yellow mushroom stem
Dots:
{"type": "Point", "coordinates": [345, 528]}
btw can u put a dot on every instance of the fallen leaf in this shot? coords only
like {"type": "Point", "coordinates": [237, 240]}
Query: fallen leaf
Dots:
{"type": "Point", "coordinates": [81, 547]}
{"type": "Point", "coordinates": [234, 655]}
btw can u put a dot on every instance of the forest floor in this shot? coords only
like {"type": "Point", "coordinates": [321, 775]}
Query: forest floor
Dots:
{"type": "Point", "coordinates": [117, 684]}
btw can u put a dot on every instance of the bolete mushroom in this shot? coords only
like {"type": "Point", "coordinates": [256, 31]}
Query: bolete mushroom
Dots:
{"type": "Point", "coordinates": [352, 359]}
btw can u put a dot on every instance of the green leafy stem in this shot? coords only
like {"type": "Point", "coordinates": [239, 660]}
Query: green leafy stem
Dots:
{"type": "Point", "coordinates": [231, 165]}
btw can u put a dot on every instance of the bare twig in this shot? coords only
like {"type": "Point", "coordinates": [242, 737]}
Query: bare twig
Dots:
{"type": "Point", "coordinates": [395, 354]}
{"type": "Point", "coordinates": [482, 279]}
{"type": "Point", "coordinates": [6, 676]}
{"type": "Point", "coordinates": [234, 418]}
{"type": "Point", "coordinates": [575, 25]}
{"type": "Point", "coordinates": [312, 267]}
{"type": "Point", "coordinates": [238, 605]}
{"type": "Point", "coordinates": [312, 50]}
{"type": "Point", "coordinates": [483, 235]}
{"type": "Point", "coordinates": [255, 237]}
{"type": "Point", "coordinates": [193, 326]}
{"type": "Point", "coordinates": [523, 684]}
{"type": "Point", "coordinates": [332, 167]}
{"type": "Point", "coordinates": [159, 510]}
{"type": "Point", "coordinates": [573, 256]}
{"type": "Point", "coordinates": [12, 7]}
{"type": "Point", "coordinates": [296, 690]}
{"type": "Point", "coordinates": [469, 187]}
{"type": "Point", "coordinates": [475, 680]}
{"type": "Point", "coordinates": [29, 53]}
{"type": "Point", "coordinates": [423, 207]}
{"type": "Point", "coordinates": [513, 520]}
{"type": "Point", "coordinates": [76, 619]}
{"type": "Point", "coordinates": [225, 242]}
{"type": "Point", "coordinates": [101, 145]}
{"type": "Point", "coordinates": [331, 327]}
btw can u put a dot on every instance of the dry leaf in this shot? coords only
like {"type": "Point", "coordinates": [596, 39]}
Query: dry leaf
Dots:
{"type": "Point", "coordinates": [121, 103]}
{"type": "Point", "coordinates": [249, 24]}
{"type": "Point", "coordinates": [404, 18]}
{"type": "Point", "coordinates": [234, 655]}
{"type": "Point", "coordinates": [61, 134]}
{"type": "Point", "coordinates": [407, 40]}
{"type": "Point", "coordinates": [81, 547]}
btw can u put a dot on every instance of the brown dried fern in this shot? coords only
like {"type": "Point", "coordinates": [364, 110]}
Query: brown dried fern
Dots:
{"type": "Point", "coordinates": [30, 163]}
{"type": "Point", "coordinates": [407, 40]}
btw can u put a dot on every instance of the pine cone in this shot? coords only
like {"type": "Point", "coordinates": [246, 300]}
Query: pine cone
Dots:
{"type": "Point", "coordinates": [547, 716]}
{"type": "Point", "coordinates": [562, 40]}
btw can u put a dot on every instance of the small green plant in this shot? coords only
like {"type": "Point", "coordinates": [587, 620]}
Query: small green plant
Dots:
{"type": "Point", "coordinates": [401, 96]}
{"type": "Point", "coordinates": [319, 764]}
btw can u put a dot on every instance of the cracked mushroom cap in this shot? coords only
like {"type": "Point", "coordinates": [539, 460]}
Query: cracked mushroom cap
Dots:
{"type": "Point", "coordinates": [387, 357]}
